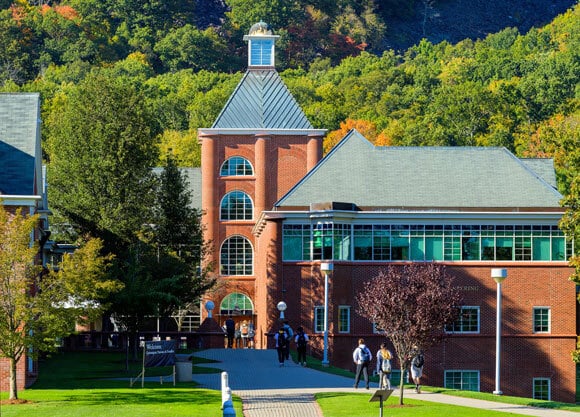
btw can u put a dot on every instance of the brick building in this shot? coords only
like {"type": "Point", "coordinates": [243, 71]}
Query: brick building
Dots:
{"type": "Point", "coordinates": [275, 209]}
{"type": "Point", "coordinates": [22, 186]}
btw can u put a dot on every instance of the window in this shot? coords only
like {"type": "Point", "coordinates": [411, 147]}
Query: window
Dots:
{"type": "Point", "coordinates": [261, 52]}
{"type": "Point", "coordinates": [235, 304]}
{"type": "Point", "coordinates": [319, 319]}
{"type": "Point", "coordinates": [344, 319]}
{"type": "Point", "coordinates": [468, 321]}
{"type": "Point", "coordinates": [541, 389]}
{"type": "Point", "coordinates": [418, 242]}
{"type": "Point", "coordinates": [236, 256]}
{"type": "Point", "coordinates": [462, 380]}
{"type": "Point", "coordinates": [541, 320]}
{"type": "Point", "coordinates": [236, 166]}
{"type": "Point", "coordinates": [236, 205]}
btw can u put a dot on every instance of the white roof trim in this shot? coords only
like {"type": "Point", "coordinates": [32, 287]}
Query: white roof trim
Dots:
{"type": "Point", "coordinates": [253, 131]}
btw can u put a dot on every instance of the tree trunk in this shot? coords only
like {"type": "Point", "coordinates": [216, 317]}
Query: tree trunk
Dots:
{"type": "Point", "coordinates": [13, 381]}
{"type": "Point", "coordinates": [401, 386]}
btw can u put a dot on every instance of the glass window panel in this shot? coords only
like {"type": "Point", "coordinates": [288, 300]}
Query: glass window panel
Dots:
{"type": "Point", "coordinates": [236, 205]}
{"type": "Point", "coordinates": [417, 248]}
{"type": "Point", "coordinates": [541, 248]}
{"type": "Point", "coordinates": [400, 248]}
{"type": "Point", "coordinates": [318, 319]}
{"type": "Point", "coordinates": [558, 249]}
{"type": "Point", "coordinates": [462, 380]}
{"type": "Point", "coordinates": [541, 389]}
{"type": "Point", "coordinates": [467, 322]}
{"type": "Point", "coordinates": [504, 248]}
{"type": "Point", "coordinates": [541, 320]}
{"type": "Point", "coordinates": [470, 248]}
{"type": "Point", "coordinates": [433, 248]}
{"type": "Point", "coordinates": [237, 166]}
{"type": "Point", "coordinates": [344, 319]}
{"type": "Point", "coordinates": [236, 256]}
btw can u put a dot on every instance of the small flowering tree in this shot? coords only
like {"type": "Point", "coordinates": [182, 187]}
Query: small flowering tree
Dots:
{"type": "Point", "coordinates": [412, 303]}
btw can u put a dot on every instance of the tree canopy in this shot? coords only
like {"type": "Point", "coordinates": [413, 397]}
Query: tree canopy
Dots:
{"type": "Point", "coordinates": [38, 305]}
{"type": "Point", "coordinates": [411, 304]}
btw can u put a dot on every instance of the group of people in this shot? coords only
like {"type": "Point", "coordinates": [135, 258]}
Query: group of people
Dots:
{"type": "Point", "coordinates": [239, 335]}
{"type": "Point", "coordinates": [362, 357]}
{"type": "Point", "coordinates": [284, 336]}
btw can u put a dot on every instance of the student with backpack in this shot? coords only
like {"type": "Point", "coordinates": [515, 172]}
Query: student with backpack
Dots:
{"type": "Point", "coordinates": [281, 345]}
{"type": "Point", "coordinates": [289, 337]}
{"type": "Point", "coordinates": [384, 369]}
{"type": "Point", "coordinates": [301, 340]}
{"type": "Point", "coordinates": [362, 358]}
{"type": "Point", "coordinates": [417, 363]}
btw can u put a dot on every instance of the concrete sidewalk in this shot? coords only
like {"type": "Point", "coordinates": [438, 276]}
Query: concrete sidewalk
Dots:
{"type": "Point", "coordinates": [270, 391]}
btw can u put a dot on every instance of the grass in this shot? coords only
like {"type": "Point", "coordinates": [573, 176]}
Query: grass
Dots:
{"type": "Point", "coordinates": [96, 385]}
{"type": "Point", "coordinates": [333, 405]}
{"type": "Point", "coordinates": [316, 364]}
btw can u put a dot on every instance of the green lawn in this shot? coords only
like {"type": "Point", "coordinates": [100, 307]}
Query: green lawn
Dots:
{"type": "Point", "coordinates": [344, 405]}
{"type": "Point", "coordinates": [96, 385]}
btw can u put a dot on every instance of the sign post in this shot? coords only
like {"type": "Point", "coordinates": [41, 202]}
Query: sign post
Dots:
{"type": "Point", "coordinates": [157, 353]}
{"type": "Point", "coordinates": [381, 395]}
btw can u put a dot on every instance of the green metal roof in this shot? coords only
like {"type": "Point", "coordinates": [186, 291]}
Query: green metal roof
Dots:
{"type": "Point", "coordinates": [261, 101]}
{"type": "Point", "coordinates": [19, 143]}
{"type": "Point", "coordinates": [355, 171]}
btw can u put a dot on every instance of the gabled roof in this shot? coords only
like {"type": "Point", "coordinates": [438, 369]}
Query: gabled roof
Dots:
{"type": "Point", "coordinates": [261, 101]}
{"type": "Point", "coordinates": [20, 155]}
{"type": "Point", "coordinates": [358, 172]}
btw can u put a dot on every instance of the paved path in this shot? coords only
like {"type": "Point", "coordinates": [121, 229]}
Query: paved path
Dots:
{"type": "Point", "coordinates": [270, 391]}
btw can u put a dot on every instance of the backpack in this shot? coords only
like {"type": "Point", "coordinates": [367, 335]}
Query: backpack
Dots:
{"type": "Point", "coordinates": [301, 342]}
{"type": "Point", "coordinates": [282, 340]}
{"type": "Point", "coordinates": [418, 361]}
{"type": "Point", "coordinates": [386, 365]}
{"type": "Point", "coordinates": [365, 355]}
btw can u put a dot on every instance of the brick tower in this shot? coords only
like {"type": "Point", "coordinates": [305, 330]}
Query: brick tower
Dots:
{"type": "Point", "coordinates": [258, 148]}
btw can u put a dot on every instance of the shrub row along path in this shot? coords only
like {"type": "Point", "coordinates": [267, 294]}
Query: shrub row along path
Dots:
{"type": "Point", "coordinates": [267, 390]}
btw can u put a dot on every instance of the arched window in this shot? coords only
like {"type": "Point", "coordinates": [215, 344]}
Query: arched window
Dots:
{"type": "Point", "coordinates": [236, 304]}
{"type": "Point", "coordinates": [236, 205]}
{"type": "Point", "coordinates": [236, 256]}
{"type": "Point", "coordinates": [237, 166]}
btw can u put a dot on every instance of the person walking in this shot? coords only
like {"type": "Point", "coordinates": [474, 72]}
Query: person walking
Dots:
{"type": "Point", "coordinates": [361, 356]}
{"type": "Point", "coordinates": [244, 331]}
{"type": "Point", "coordinates": [384, 368]}
{"type": "Point", "coordinates": [301, 341]}
{"type": "Point", "coordinates": [417, 363]}
{"type": "Point", "coordinates": [230, 331]}
{"type": "Point", "coordinates": [289, 337]}
{"type": "Point", "coordinates": [281, 343]}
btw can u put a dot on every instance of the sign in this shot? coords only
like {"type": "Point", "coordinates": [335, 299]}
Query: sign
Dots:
{"type": "Point", "coordinates": [159, 353]}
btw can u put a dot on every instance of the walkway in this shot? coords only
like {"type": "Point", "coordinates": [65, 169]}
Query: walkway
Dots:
{"type": "Point", "coordinates": [270, 391]}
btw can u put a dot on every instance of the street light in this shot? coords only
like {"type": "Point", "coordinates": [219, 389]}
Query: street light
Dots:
{"type": "Point", "coordinates": [498, 275]}
{"type": "Point", "coordinates": [281, 307]}
{"type": "Point", "coordinates": [326, 267]}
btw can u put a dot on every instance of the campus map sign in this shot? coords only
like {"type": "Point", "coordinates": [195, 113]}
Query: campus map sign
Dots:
{"type": "Point", "coordinates": [159, 353]}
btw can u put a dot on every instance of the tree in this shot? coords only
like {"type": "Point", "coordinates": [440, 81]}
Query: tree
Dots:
{"type": "Point", "coordinates": [411, 304]}
{"type": "Point", "coordinates": [38, 305]}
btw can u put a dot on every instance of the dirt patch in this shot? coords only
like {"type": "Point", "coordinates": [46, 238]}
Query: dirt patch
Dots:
{"type": "Point", "coordinates": [14, 402]}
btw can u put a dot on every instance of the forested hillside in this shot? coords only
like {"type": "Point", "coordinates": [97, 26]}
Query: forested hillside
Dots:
{"type": "Point", "coordinates": [184, 59]}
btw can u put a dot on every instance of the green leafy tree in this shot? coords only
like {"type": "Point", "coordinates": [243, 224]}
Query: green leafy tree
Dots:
{"type": "Point", "coordinates": [36, 305]}
{"type": "Point", "coordinates": [411, 304]}
{"type": "Point", "coordinates": [102, 146]}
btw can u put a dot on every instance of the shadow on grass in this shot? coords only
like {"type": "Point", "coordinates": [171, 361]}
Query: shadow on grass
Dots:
{"type": "Point", "coordinates": [143, 397]}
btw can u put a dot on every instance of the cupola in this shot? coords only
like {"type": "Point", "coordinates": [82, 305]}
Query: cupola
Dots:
{"type": "Point", "coordinates": [261, 45]}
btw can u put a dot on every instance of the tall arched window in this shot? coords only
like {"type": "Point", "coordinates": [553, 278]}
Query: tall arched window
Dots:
{"type": "Point", "coordinates": [236, 166]}
{"type": "Point", "coordinates": [236, 205]}
{"type": "Point", "coordinates": [236, 303]}
{"type": "Point", "coordinates": [236, 256]}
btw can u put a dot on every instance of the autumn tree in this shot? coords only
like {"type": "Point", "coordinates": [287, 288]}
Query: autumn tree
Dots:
{"type": "Point", "coordinates": [411, 304]}
{"type": "Point", "coordinates": [38, 305]}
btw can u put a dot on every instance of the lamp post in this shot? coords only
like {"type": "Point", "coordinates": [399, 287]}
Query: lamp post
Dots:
{"type": "Point", "coordinates": [281, 308]}
{"type": "Point", "coordinates": [326, 268]}
{"type": "Point", "coordinates": [498, 275]}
